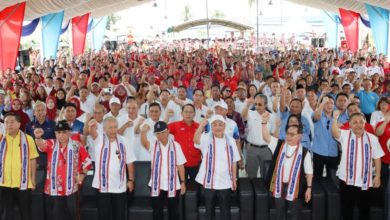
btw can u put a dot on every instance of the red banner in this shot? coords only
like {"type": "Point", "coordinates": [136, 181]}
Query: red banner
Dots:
{"type": "Point", "coordinates": [11, 22]}
{"type": "Point", "coordinates": [350, 22]}
{"type": "Point", "coordinates": [79, 33]}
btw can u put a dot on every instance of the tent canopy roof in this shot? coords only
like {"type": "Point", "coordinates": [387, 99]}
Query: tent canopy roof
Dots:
{"type": "Point", "coordinates": [222, 22]}
{"type": "Point", "coordinates": [72, 8]}
{"type": "Point", "coordinates": [99, 8]}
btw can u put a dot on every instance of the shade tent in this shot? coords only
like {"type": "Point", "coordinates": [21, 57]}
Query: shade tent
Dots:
{"type": "Point", "coordinates": [222, 22]}
{"type": "Point", "coordinates": [334, 5]}
{"type": "Point", "coordinates": [72, 8]}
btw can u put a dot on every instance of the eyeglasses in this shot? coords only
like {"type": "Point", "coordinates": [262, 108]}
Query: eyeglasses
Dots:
{"type": "Point", "coordinates": [327, 124]}
{"type": "Point", "coordinates": [259, 104]}
{"type": "Point", "coordinates": [227, 90]}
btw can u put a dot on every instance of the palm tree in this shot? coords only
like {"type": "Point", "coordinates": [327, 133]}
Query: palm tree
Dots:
{"type": "Point", "coordinates": [112, 19]}
{"type": "Point", "coordinates": [217, 14]}
{"type": "Point", "coordinates": [187, 13]}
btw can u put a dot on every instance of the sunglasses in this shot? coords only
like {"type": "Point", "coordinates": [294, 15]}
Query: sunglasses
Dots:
{"type": "Point", "coordinates": [327, 124]}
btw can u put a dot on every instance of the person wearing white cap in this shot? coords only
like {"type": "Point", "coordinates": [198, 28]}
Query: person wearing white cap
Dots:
{"type": "Point", "coordinates": [218, 171]}
{"type": "Point", "coordinates": [231, 128]}
{"type": "Point", "coordinates": [115, 107]}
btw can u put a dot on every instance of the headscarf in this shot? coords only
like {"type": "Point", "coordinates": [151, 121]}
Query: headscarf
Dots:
{"type": "Point", "coordinates": [23, 116]}
{"type": "Point", "coordinates": [60, 102]}
{"type": "Point", "coordinates": [51, 113]}
{"type": "Point", "coordinates": [76, 101]}
{"type": "Point", "coordinates": [122, 97]}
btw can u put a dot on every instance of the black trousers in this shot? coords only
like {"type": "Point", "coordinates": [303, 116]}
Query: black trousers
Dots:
{"type": "Point", "coordinates": [61, 207]}
{"type": "Point", "coordinates": [112, 206]}
{"type": "Point", "coordinates": [191, 172]}
{"type": "Point", "coordinates": [11, 196]}
{"type": "Point", "coordinates": [159, 202]}
{"type": "Point", "coordinates": [224, 199]}
{"type": "Point", "coordinates": [352, 195]}
{"type": "Point", "coordinates": [282, 205]}
{"type": "Point", "coordinates": [330, 163]}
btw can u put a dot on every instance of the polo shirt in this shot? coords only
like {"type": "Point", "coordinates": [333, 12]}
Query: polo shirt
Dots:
{"type": "Point", "coordinates": [48, 127]}
{"type": "Point", "coordinates": [368, 101]}
{"type": "Point", "coordinates": [323, 142]}
{"type": "Point", "coordinates": [13, 163]}
{"type": "Point", "coordinates": [184, 135]}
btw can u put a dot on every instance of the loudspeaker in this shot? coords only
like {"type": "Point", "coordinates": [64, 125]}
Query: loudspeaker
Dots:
{"type": "Point", "coordinates": [321, 42]}
{"type": "Point", "coordinates": [24, 58]}
{"type": "Point", "coordinates": [314, 42]}
{"type": "Point", "coordinates": [110, 45]}
{"type": "Point", "coordinates": [113, 45]}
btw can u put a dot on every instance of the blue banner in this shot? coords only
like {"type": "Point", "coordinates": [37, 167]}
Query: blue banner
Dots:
{"type": "Point", "coordinates": [51, 28]}
{"type": "Point", "coordinates": [366, 22]}
{"type": "Point", "coordinates": [379, 20]}
{"type": "Point", "coordinates": [63, 29]}
{"type": "Point", "coordinates": [98, 30]}
{"type": "Point", "coordinates": [30, 27]}
{"type": "Point", "coordinates": [331, 22]}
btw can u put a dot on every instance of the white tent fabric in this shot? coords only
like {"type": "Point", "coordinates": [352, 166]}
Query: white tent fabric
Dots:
{"type": "Point", "coordinates": [334, 5]}
{"type": "Point", "coordinates": [98, 8]}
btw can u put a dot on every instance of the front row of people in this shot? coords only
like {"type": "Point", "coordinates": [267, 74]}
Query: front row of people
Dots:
{"type": "Point", "coordinates": [68, 162]}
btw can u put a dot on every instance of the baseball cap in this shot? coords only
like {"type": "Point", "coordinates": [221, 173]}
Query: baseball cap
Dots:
{"type": "Point", "coordinates": [62, 126]}
{"type": "Point", "coordinates": [217, 118]}
{"type": "Point", "coordinates": [221, 104]}
{"type": "Point", "coordinates": [115, 100]}
{"type": "Point", "coordinates": [160, 126]}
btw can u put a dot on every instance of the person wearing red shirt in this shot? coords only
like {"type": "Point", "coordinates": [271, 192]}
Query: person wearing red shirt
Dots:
{"type": "Point", "coordinates": [354, 108]}
{"type": "Point", "coordinates": [383, 132]}
{"type": "Point", "coordinates": [61, 186]}
{"type": "Point", "coordinates": [183, 132]}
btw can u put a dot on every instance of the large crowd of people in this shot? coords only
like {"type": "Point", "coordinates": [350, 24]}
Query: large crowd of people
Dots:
{"type": "Point", "coordinates": [208, 116]}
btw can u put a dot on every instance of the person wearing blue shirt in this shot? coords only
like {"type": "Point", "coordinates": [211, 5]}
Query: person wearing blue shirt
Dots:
{"type": "Point", "coordinates": [296, 107]}
{"type": "Point", "coordinates": [70, 114]}
{"type": "Point", "coordinates": [368, 99]}
{"type": "Point", "coordinates": [48, 126]}
{"type": "Point", "coordinates": [342, 101]}
{"type": "Point", "coordinates": [324, 147]}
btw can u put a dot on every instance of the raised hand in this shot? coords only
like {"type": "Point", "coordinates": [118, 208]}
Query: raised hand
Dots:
{"type": "Point", "coordinates": [38, 133]}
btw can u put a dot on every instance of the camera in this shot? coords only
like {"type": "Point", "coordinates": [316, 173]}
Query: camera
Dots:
{"type": "Point", "coordinates": [107, 90]}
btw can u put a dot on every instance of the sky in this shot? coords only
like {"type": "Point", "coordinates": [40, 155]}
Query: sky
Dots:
{"type": "Point", "coordinates": [146, 20]}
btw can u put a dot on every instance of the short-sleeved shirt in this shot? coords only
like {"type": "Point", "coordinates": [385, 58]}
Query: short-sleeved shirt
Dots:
{"type": "Point", "coordinates": [13, 164]}
{"type": "Point", "coordinates": [114, 183]}
{"type": "Point", "coordinates": [184, 135]}
{"type": "Point", "coordinates": [180, 160]}
{"type": "Point", "coordinates": [306, 129]}
{"type": "Point", "coordinates": [82, 161]}
{"type": "Point", "coordinates": [368, 101]}
{"type": "Point", "coordinates": [323, 142]}
{"type": "Point", "coordinates": [376, 150]}
{"type": "Point", "coordinates": [221, 176]}
{"type": "Point", "coordinates": [307, 163]}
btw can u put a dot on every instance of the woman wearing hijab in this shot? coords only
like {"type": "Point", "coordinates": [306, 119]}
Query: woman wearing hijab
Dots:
{"type": "Point", "coordinates": [51, 109]}
{"type": "Point", "coordinates": [16, 107]}
{"type": "Point", "coordinates": [79, 113]}
{"type": "Point", "coordinates": [121, 93]}
{"type": "Point", "coordinates": [60, 98]}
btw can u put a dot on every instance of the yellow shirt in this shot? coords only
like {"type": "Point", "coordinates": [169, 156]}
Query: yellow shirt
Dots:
{"type": "Point", "coordinates": [13, 164]}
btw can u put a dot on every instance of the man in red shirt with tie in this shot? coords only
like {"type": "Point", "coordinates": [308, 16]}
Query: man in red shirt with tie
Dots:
{"type": "Point", "coordinates": [184, 132]}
